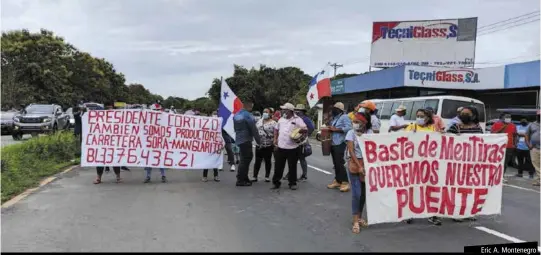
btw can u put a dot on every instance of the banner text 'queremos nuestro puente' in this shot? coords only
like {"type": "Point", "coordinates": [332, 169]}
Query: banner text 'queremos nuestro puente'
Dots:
{"type": "Point", "coordinates": [418, 175]}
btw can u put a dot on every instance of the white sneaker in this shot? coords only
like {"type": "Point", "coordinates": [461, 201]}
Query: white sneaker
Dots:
{"type": "Point", "coordinates": [233, 168]}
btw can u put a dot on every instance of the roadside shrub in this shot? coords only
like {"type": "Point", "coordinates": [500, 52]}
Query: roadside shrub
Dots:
{"type": "Point", "coordinates": [25, 164]}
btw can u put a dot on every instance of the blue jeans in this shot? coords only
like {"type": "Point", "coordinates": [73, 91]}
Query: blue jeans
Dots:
{"type": "Point", "coordinates": [358, 196]}
{"type": "Point", "coordinates": [149, 170]}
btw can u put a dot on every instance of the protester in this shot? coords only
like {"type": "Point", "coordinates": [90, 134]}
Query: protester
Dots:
{"type": "Point", "coordinates": [354, 157]}
{"type": "Point", "coordinates": [532, 140]}
{"type": "Point", "coordinates": [205, 173]}
{"type": "Point", "coordinates": [456, 119]}
{"type": "Point", "coordinates": [289, 133]}
{"type": "Point", "coordinates": [523, 152]}
{"type": "Point", "coordinates": [99, 171]}
{"type": "Point", "coordinates": [228, 143]}
{"type": "Point", "coordinates": [78, 113]}
{"type": "Point", "coordinates": [156, 107]}
{"type": "Point", "coordinates": [507, 127]}
{"type": "Point", "coordinates": [277, 115]}
{"type": "Point", "coordinates": [340, 125]}
{"type": "Point", "coordinates": [397, 122]}
{"type": "Point", "coordinates": [369, 108]}
{"type": "Point", "coordinates": [245, 132]}
{"type": "Point", "coordinates": [264, 151]}
{"type": "Point", "coordinates": [424, 122]}
{"type": "Point", "coordinates": [438, 121]}
{"type": "Point", "coordinates": [469, 124]}
{"type": "Point", "coordinates": [300, 110]}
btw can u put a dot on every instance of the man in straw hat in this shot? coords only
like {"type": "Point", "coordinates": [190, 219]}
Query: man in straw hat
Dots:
{"type": "Point", "coordinates": [397, 121]}
{"type": "Point", "coordinates": [288, 138]}
{"type": "Point", "coordinates": [340, 125]}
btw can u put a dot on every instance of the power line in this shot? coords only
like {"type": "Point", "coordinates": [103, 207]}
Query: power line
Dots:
{"type": "Point", "coordinates": [520, 16]}
{"type": "Point", "coordinates": [506, 28]}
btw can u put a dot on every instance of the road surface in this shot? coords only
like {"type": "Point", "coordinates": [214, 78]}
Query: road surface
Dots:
{"type": "Point", "coordinates": [73, 215]}
{"type": "Point", "coordinates": [7, 140]}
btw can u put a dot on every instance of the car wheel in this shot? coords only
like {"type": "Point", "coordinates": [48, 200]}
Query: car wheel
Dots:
{"type": "Point", "coordinates": [17, 137]}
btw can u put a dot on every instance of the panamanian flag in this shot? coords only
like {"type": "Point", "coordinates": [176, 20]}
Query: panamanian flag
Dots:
{"type": "Point", "coordinates": [230, 104]}
{"type": "Point", "coordinates": [320, 86]}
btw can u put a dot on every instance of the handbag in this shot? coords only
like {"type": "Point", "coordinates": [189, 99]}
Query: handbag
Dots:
{"type": "Point", "coordinates": [306, 149]}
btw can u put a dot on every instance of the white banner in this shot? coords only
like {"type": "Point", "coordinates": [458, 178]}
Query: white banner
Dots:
{"type": "Point", "coordinates": [143, 138]}
{"type": "Point", "coordinates": [454, 78]}
{"type": "Point", "coordinates": [419, 175]}
{"type": "Point", "coordinates": [449, 42]}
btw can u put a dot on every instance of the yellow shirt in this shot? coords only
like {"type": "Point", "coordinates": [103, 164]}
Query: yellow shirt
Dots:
{"type": "Point", "coordinates": [413, 127]}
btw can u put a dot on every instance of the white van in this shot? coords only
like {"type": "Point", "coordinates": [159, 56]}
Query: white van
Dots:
{"type": "Point", "coordinates": [444, 106]}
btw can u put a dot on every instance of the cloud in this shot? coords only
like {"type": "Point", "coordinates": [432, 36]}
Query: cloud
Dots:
{"type": "Point", "coordinates": [176, 47]}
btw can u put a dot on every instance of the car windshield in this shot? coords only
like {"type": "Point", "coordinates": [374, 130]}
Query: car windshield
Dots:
{"type": "Point", "coordinates": [39, 109]}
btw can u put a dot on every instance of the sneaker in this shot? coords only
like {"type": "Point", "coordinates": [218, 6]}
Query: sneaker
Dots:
{"type": "Point", "coordinates": [435, 220]}
{"type": "Point", "coordinates": [217, 179]}
{"type": "Point", "coordinates": [147, 180]}
{"type": "Point", "coordinates": [333, 185]}
{"type": "Point", "coordinates": [293, 187]}
{"type": "Point", "coordinates": [275, 187]}
{"type": "Point", "coordinates": [519, 175]}
{"type": "Point", "coordinates": [344, 187]}
{"type": "Point", "coordinates": [164, 179]}
{"type": "Point", "coordinates": [204, 179]}
{"type": "Point", "coordinates": [267, 179]}
{"type": "Point", "coordinates": [233, 168]}
{"type": "Point", "coordinates": [124, 168]}
{"type": "Point", "coordinates": [303, 179]}
{"type": "Point", "coordinates": [254, 179]}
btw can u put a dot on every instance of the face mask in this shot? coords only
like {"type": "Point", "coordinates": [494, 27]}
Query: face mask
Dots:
{"type": "Point", "coordinates": [507, 120]}
{"type": "Point", "coordinates": [466, 119]}
{"type": "Point", "coordinates": [266, 116]}
{"type": "Point", "coordinates": [362, 110]}
{"type": "Point", "coordinates": [356, 126]}
{"type": "Point", "coordinates": [420, 121]}
{"type": "Point", "coordinates": [335, 112]}
{"type": "Point", "coordinates": [524, 124]}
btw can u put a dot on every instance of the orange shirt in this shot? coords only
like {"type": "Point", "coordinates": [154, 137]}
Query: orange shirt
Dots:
{"type": "Point", "coordinates": [510, 130]}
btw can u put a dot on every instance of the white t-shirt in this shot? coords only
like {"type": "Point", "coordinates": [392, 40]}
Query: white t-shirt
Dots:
{"type": "Point", "coordinates": [397, 121]}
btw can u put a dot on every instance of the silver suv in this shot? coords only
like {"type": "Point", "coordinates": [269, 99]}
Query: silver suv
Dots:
{"type": "Point", "coordinates": [38, 119]}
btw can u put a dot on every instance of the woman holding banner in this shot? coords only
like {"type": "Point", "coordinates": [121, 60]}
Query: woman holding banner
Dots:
{"type": "Point", "coordinates": [469, 118]}
{"type": "Point", "coordinates": [354, 159]}
{"type": "Point", "coordinates": [424, 122]}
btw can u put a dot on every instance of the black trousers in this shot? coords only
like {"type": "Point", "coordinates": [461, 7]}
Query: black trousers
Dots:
{"type": "Point", "coordinates": [263, 154]}
{"type": "Point", "coordinates": [337, 153]}
{"type": "Point", "coordinates": [99, 170]}
{"type": "Point", "coordinates": [509, 156]}
{"type": "Point", "coordinates": [206, 171]}
{"type": "Point", "coordinates": [525, 162]}
{"type": "Point", "coordinates": [281, 156]}
{"type": "Point", "coordinates": [246, 156]}
{"type": "Point", "coordinates": [230, 154]}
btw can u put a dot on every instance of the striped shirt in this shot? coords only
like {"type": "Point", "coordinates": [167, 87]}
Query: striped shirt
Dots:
{"type": "Point", "coordinates": [458, 129]}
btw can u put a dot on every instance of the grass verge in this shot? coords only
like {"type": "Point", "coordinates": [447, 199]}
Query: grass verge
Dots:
{"type": "Point", "coordinates": [24, 165]}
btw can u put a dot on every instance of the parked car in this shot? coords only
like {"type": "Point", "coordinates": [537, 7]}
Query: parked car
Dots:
{"type": "Point", "coordinates": [7, 122]}
{"type": "Point", "coordinates": [38, 119]}
{"type": "Point", "coordinates": [69, 112]}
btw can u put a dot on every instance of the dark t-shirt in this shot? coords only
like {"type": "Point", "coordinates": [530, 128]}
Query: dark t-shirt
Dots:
{"type": "Point", "coordinates": [456, 129]}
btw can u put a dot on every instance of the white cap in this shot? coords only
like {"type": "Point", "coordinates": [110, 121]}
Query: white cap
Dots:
{"type": "Point", "coordinates": [288, 106]}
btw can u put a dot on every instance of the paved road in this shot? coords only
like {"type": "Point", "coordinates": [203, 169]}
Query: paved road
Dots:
{"type": "Point", "coordinates": [73, 215]}
{"type": "Point", "coordinates": [7, 140]}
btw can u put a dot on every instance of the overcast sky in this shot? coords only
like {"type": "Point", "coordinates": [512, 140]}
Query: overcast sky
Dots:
{"type": "Point", "coordinates": [176, 47]}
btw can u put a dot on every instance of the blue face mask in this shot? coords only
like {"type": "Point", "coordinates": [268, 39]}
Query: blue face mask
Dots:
{"type": "Point", "coordinates": [266, 116]}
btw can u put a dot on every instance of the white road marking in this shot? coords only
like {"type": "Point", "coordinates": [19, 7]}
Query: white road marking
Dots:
{"type": "Point", "coordinates": [517, 187]}
{"type": "Point", "coordinates": [503, 236]}
{"type": "Point", "coordinates": [320, 170]}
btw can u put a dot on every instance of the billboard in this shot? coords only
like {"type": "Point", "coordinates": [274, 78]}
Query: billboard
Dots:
{"type": "Point", "coordinates": [446, 43]}
{"type": "Point", "coordinates": [454, 78]}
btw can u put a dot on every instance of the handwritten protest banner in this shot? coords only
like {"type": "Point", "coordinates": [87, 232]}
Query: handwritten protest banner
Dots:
{"type": "Point", "coordinates": [144, 138]}
{"type": "Point", "coordinates": [419, 175]}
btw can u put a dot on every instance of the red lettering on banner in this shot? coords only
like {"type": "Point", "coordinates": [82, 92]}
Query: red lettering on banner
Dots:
{"type": "Point", "coordinates": [448, 200]}
{"type": "Point", "coordinates": [432, 199]}
{"type": "Point", "coordinates": [402, 198]}
{"type": "Point", "coordinates": [401, 150]}
{"type": "Point", "coordinates": [464, 192]}
{"type": "Point", "coordinates": [473, 174]}
{"type": "Point", "coordinates": [478, 202]}
{"type": "Point", "coordinates": [397, 173]}
{"type": "Point", "coordinates": [467, 152]}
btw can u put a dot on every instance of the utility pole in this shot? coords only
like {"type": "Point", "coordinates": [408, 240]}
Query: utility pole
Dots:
{"type": "Point", "coordinates": [336, 66]}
